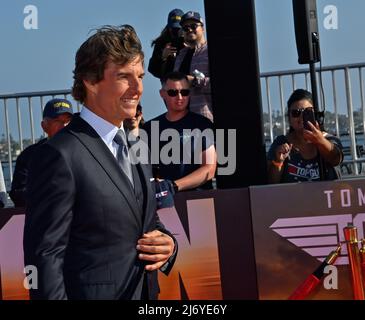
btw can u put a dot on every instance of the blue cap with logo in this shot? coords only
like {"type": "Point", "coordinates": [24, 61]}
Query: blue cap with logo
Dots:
{"type": "Point", "coordinates": [55, 107]}
{"type": "Point", "coordinates": [191, 15]}
{"type": "Point", "coordinates": [174, 18]}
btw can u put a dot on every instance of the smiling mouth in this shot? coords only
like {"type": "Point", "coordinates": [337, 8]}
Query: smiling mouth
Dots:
{"type": "Point", "coordinates": [130, 101]}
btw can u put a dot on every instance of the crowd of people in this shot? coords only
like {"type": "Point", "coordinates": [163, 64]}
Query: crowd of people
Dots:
{"type": "Point", "coordinates": [91, 225]}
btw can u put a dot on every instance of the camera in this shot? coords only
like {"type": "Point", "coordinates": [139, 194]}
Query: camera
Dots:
{"type": "Point", "coordinates": [308, 116]}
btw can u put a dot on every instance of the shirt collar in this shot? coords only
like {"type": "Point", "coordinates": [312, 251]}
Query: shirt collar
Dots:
{"type": "Point", "coordinates": [104, 129]}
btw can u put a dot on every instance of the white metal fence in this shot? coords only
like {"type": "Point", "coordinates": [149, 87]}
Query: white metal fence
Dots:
{"type": "Point", "coordinates": [25, 110]}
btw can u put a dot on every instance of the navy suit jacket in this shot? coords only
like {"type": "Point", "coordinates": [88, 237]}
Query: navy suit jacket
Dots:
{"type": "Point", "coordinates": [83, 221]}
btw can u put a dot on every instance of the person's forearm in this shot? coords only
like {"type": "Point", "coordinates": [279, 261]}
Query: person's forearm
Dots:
{"type": "Point", "coordinates": [198, 177]}
{"type": "Point", "coordinates": [329, 152]}
{"type": "Point", "coordinates": [274, 173]}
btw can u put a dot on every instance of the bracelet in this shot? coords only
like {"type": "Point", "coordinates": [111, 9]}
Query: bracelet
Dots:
{"type": "Point", "coordinates": [277, 164]}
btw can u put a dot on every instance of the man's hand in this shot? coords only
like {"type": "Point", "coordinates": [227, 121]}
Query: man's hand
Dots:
{"type": "Point", "coordinates": [155, 247]}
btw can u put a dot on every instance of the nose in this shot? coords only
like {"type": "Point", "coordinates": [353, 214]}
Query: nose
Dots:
{"type": "Point", "coordinates": [136, 84]}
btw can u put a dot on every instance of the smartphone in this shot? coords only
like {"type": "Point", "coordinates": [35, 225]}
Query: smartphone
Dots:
{"type": "Point", "coordinates": [308, 116]}
{"type": "Point", "coordinates": [175, 43]}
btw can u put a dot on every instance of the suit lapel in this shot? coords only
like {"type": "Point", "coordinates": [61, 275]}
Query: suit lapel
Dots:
{"type": "Point", "coordinates": [101, 153]}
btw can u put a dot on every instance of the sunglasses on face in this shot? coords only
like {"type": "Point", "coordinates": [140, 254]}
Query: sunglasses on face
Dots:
{"type": "Point", "coordinates": [192, 26]}
{"type": "Point", "coordinates": [295, 113]}
{"type": "Point", "coordinates": [175, 92]}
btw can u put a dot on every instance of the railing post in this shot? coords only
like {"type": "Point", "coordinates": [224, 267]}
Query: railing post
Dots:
{"type": "Point", "coordinates": [19, 116]}
{"type": "Point", "coordinates": [351, 118]}
{"type": "Point", "coordinates": [283, 122]}
{"type": "Point", "coordinates": [269, 108]}
{"type": "Point", "coordinates": [335, 102]}
{"type": "Point", "coordinates": [31, 118]}
{"type": "Point", "coordinates": [7, 128]}
{"type": "Point", "coordinates": [362, 97]}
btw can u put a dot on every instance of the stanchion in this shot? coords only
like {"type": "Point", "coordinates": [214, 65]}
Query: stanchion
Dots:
{"type": "Point", "coordinates": [315, 278]}
{"type": "Point", "coordinates": [350, 233]}
{"type": "Point", "coordinates": [362, 255]}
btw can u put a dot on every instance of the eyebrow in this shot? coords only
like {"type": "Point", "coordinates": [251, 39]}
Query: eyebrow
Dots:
{"type": "Point", "coordinates": [123, 74]}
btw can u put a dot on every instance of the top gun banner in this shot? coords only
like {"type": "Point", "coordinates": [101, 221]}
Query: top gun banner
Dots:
{"type": "Point", "coordinates": [215, 259]}
{"type": "Point", "coordinates": [296, 226]}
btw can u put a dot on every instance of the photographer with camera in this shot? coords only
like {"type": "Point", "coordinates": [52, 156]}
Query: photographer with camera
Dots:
{"type": "Point", "coordinates": [167, 46]}
{"type": "Point", "coordinates": [297, 156]}
{"type": "Point", "coordinates": [193, 61]}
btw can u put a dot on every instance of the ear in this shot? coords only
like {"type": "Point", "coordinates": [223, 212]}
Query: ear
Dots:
{"type": "Point", "coordinates": [90, 86]}
{"type": "Point", "coordinates": [44, 125]}
{"type": "Point", "coordinates": [162, 94]}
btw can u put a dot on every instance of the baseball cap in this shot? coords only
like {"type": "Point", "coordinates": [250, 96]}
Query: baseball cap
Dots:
{"type": "Point", "coordinates": [173, 20]}
{"type": "Point", "coordinates": [55, 107]}
{"type": "Point", "coordinates": [191, 15]}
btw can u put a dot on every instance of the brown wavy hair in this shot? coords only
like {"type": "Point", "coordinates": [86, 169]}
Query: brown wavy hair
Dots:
{"type": "Point", "coordinates": [119, 45]}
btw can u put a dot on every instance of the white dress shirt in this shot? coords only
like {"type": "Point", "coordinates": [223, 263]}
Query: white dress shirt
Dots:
{"type": "Point", "coordinates": [104, 129]}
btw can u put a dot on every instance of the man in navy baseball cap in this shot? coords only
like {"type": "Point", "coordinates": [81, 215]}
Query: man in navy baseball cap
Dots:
{"type": "Point", "coordinates": [191, 15]}
{"type": "Point", "coordinates": [55, 107]}
{"type": "Point", "coordinates": [57, 114]}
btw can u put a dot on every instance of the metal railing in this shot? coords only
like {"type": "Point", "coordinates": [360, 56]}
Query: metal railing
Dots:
{"type": "Point", "coordinates": [286, 81]}
{"type": "Point", "coordinates": [333, 93]}
{"type": "Point", "coordinates": [17, 105]}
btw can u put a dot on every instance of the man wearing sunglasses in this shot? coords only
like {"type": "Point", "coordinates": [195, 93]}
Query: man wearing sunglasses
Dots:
{"type": "Point", "coordinates": [196, 163]}
{"type": "Point", "coordinates": [193, 61]}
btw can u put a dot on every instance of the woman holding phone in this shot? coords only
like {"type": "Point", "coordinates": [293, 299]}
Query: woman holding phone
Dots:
{"type": "Point", "coordinates": [167, 46]}
{"type": "Point", "coordinates": [297, 156]}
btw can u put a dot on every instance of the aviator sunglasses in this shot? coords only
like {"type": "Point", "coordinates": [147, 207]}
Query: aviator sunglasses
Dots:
{"type": "Point", "coordinates": [175, 92]}
{"type": "Point", "coordinates": [295, 113]}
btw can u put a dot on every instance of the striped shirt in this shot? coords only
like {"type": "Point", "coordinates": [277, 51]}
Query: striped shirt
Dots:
{"type": "Point", "coordinates": [200, 97]}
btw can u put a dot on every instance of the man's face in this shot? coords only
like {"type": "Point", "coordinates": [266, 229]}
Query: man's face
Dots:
{"type": "Point", "coordinates": [52, 125]}
{"type": "Point", "coordinates": [193, 31]}
{"type": "Point", "coordinates": [173, 93]}
{"type": "Point", "coordinates": [116, 97]}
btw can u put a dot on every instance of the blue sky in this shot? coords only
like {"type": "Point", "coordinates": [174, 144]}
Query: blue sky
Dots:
{"type": "Point", "coordinates": [43, 59]}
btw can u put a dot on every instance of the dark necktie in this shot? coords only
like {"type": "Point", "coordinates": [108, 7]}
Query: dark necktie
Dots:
{"type": "Point", "coordinates": [122, 154]}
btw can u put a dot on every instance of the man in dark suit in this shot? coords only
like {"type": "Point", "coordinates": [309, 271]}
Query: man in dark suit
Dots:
{"type": "Point", "coordinates": [91, 227]}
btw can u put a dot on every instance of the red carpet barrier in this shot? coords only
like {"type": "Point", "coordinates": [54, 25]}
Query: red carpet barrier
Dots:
{"type": "Point", "coordinates": [294, 226]}
{"type": "Point", "coordinates": [215, 246]}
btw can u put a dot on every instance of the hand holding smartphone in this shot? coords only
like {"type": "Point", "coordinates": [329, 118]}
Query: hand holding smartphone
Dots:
{"type": "Point", "coordinates": [308, 116]}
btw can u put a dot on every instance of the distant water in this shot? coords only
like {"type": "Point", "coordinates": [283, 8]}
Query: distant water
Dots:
{"type": "Point", "coordinates": [345, 140]}
{"type": "Point", "coordinates": [6, 172]}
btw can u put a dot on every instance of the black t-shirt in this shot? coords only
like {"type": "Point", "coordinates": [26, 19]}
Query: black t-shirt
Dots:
{"type": "Point", "coordinates": [190, 136]}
